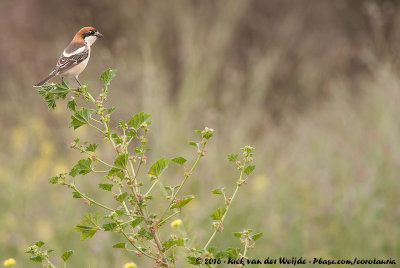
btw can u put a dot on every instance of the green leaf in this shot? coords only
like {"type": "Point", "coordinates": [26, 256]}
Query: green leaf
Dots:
{"type": "Point", "coordinates": [107, 76]}
{"type": "Point", "coordinates": [37, 258]}
{"type": "Point", "coordinates": [211, 249]}
{"type": "Point", "coordinates": [80, 117]}
{"type": "Point", "coordinates": [179, 160]}
{"type": "Point", "coordinates": [158, 167]}
{"type": "Point", "coordinates": [106, 186]}
{"type": "Point", "coordinates": [114, 172]}
{"type": "Point", "coordinates": [119, 245]}
{"type": "Point", "coordinates": [75, 194]}
{"type": "Point", "coordinates": [91, 147]}
{"type": "Point", "coordinates": [66, 255]}
{"type": "Point", "coordinates": [218, 191]}
{"type": "Point", "coordinates": [71, 105]}
{"type": "Point", "coordinates": [121, 161]}
{"type": "Point", "coordinates": [193, 143]}
{"type": "Point", "coordinates": [218, 214]}
{"type": "Point", "coordinates": [173, 242]}
{"type": "Point", "coordinates": [111, 110]}
{"type": "Point", "coordinates": [121, 197]}
{"type": "Point", "coordinates": [237, 234]}
{"type": "Point", "coordinates": [53, 180]}
{"type": "Point", "coordinates": [136, 222]}
{"type": "Point", "coordinates": [138, 119]}
{"type": "Point", "coordinates": [256, 236]}
{"type": "Point", "coordinates": [39, 243]}
{"type": "Point", "coordinates": [249, 169]}
{"type": "Point", "coordinates": [183, 202]}
{"type": "Point", "coordinates": [88, 226]}
{"type": "Point", "coordinates": [232, 157]}
{"type": "Point", "coordinates": [193, 260]}
{"type": "Point", "coordinates": [83, 167]}
{"type": "Point", "coordinates": [145, 233]}
{"type": "Point", "coordinates": [131, 133]}
{"type": "Point", "coordinates": [140, 149]}
{"type": "Point", "coordinates": [109, 226]}
{"type": "Point", "coordinates": [233, 252]}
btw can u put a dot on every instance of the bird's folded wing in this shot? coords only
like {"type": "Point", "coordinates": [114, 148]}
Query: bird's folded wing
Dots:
{"type": "Point", "coordinates": [65, 63]}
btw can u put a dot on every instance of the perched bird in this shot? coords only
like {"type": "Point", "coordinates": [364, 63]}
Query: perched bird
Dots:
{"type": "Point", "coordinates": [76, 55]}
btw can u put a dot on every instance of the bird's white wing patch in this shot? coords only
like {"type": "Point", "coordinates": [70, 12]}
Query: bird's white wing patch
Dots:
{"type": "Point", "coordinates": [75, 52]}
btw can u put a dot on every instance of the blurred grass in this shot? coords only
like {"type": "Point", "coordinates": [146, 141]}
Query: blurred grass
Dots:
{"type": "Point", "coordinates": [312, 85]}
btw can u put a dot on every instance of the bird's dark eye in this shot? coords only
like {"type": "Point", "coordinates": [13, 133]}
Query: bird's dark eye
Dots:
{"type": "Point", "coordinates": [90, 32]}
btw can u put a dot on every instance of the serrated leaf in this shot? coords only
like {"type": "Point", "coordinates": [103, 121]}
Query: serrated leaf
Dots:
{"type": "Point", "coordinates": [183, 202]}
{"type": "Point", "coordinates": [211, 249]}
{"type": "Point", "coordinates": [83, 167]}
{"type": "Point", "coordinates": [218, 214]}
{"type": "Point", "coordinates": [218, 191]}
{"type": "Point", "coordinates": [237, 234]}
{"type": "Point", "coordinates": [71, 105]}
{"type": "Point", "coordinates": [193, 143]}
{"type": "Point", "coordinates": [194, 260]}
{"type": "Point", "coordinates": [232, 157]}
{"type": "Point", "coordinates": [138, 119]}
{"type": "Point", "coordinates": [119, 245]}
{"type": "Point", "coordinates": [39, 243]}
{"type": "Point", "coordinates": [233, 252]}
{"type": "Point", "coordinates": [53, 180]}
{"type": "Point", "coordinates": [66, 255]}
{"type": "Point", "coordinates": [121, 161]}
{"type": "Point", "coordinates": [111, 110]}
{"type": "Point", "coordinates": [179, 160]}
{"type": "Point", "coordinates": [136, 222]}
{"type": "Point", "coordinates": [173, 242]}
{"type": "Point", "coordinates": [256, 236]}
{"type": "Point", "coordinates": [121, 197]}
{"type": "Point", "coordinates": [131, 133]}
{"type": "Point", "coordinates": [158, 167]}
{"type": "Point", "coordinates": [145, 233]}
{"type": "Point", "coordinates": [37, 258]}
{"type": "Point", "coordinates": [114, 171]}
{"type": "Point", "coordinates": [88, 226]}
{"type": "Point", "coordinates": [109, 226]}
{"type": "Point", "coordinates": [80, 117]}
{"type": "Point", "coordinates": [106, 186]}
{"type": "Point", "coordinates": [92, 147]}
{"type": "Point", "coordinates": [75, 194]}
{"type": "Point", "coordinates": [107, 76]}
{"type": "Point", "coordinates": [249, 169]}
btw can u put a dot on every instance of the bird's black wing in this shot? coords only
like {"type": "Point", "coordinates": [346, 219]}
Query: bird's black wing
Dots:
{"type": "Point", "coordinates": [65, 63]}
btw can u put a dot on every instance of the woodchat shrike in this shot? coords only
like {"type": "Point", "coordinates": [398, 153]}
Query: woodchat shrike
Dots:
{"type": "Point", "coordinates": [75, 56]}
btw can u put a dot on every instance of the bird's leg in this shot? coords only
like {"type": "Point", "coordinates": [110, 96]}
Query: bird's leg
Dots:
{"type": "Point", "coordinates": [76, 78]}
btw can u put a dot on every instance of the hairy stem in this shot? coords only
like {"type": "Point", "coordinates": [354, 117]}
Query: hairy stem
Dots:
{"type": "Point", "coordinates": [228, 206]}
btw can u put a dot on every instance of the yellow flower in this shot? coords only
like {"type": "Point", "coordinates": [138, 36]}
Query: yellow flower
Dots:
{"type": "Point", "coordinates": [130, 265]}
{"type": "Point", "coordinates": [9, 262]}
{"type": "Point", "coordinates": [176, 223]}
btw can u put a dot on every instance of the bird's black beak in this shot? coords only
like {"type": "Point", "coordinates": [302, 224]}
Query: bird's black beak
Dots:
{"type": "Point", "coordinates": [99, 35]}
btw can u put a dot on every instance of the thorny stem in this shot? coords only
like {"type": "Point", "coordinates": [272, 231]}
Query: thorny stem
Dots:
{"type": "Point", "coordinates": [228, 206]}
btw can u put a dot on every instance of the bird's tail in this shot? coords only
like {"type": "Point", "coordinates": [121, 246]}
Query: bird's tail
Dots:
{"type": "Point", "coordinates": [41, 83]}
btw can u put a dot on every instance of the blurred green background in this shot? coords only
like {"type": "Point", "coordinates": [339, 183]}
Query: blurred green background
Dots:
{"type": "Point", "coordinates": [313, 85]}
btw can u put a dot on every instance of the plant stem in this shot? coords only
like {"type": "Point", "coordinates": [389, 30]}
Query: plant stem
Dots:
{"type": "Point", "coordinates": [228, 206]}
{"type": "Point", "coordinates": [167, 218]}
{"type": "Point", "coordinates": [187, 175]}
{"type": "Point", "coordinates": [138, 249]}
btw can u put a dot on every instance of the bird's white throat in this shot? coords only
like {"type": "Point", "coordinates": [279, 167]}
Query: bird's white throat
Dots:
{"type": "Point", "coordinates": [90, 40]}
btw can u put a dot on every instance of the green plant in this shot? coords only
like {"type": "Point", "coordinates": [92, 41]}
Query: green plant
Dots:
{"type": "Point", "coordinates": [131, 216]}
